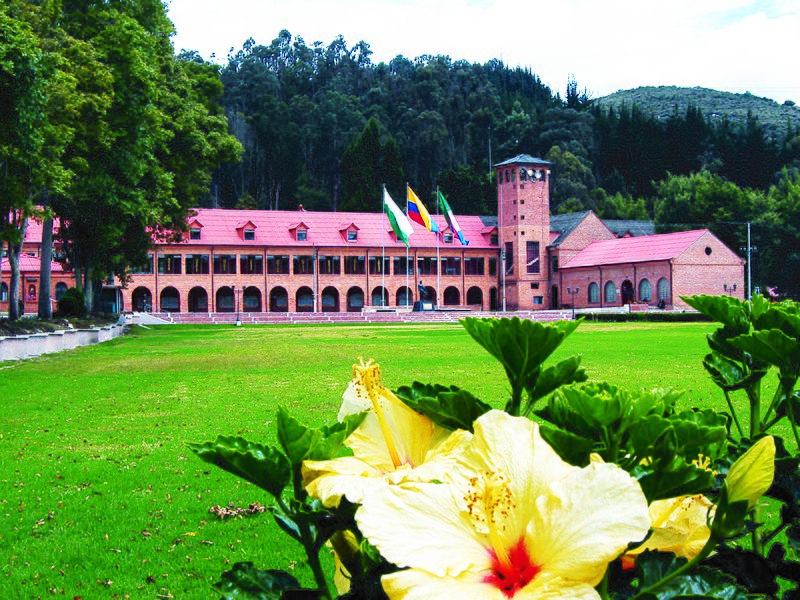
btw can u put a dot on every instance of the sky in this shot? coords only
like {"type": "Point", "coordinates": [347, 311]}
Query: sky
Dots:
{"type": "Point", "coordinates": [730, 45]}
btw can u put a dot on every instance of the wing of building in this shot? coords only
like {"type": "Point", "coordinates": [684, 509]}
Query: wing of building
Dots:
{"type": "Point", "coordinates": [521, 259]}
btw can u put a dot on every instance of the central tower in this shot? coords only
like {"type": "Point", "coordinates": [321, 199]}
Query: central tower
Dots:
{"type": "Point", "coordinates": [523, 224]}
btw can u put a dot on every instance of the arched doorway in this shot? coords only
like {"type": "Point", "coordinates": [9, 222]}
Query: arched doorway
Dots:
{"type": "Point", "coordinates": [403, 297]}
{"type": "Point", "coordinates": [330, 299]}
{"type": "Point", "coordinates": [225, 299]}
{"type": "Point", "coordinates": [304, 300]}
{"type": "Point", "coordinates": [493, 298]}
{"type": "Point", "coordinates": [451, 296]}
{"type": "Point", "coordinates": [430, 294]}
{"type": "Point", "coordinates": [251, 299]}
{"type": "Point", "coordinates": [475, 296]}
{"type": "Point", "coordinates": [170, 300]}
{"type": "Point", "coordinates": [380, 296]}
{"type": "Point", "coordinates": [278, 300]}
{"type": "Point", "coordinates": [141, 299]}
{"type": "Point", "coordinates": [554, 300]}
{"type": "Point", "coordinates": [355, 299]}
{"type": "Point", "coordinates": [626, 292]}
{"type": "Point", "coordinates": [198, 300]}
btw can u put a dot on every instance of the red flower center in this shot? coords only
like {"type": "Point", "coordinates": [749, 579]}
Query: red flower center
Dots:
{"type": "Point", "coordinates": [512, 577]}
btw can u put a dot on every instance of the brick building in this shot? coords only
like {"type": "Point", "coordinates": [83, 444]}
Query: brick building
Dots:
{"type": "Point", "coordinates": [521, 259]}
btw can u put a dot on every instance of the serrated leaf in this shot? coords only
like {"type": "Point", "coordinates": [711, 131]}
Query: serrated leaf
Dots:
{"type": "Point", "coordinates": [662, 480]}
{"type": "Point", "coordinates": [572, 448]}
{"type": "Point", "coordinates": [448, 407]}
{"type": "Point", "coordinates": [307, 443]}
{"type": "Point", "coordinates": [723, 309]}
{"type": "Point", "coordinates": [246, 582]}
{"type": "Point", "coordinates": [261, 465]}
{"type": "Point", "coordinates": [726, 373]}
{"type": "Point", "coordinates": [774, 347]}
{"type": "Point", "coordinates": [748, 568]}
{"type": "Point", "coordinates": [698, 583]}
{"type": "Point", "coordinates": [550, 379]}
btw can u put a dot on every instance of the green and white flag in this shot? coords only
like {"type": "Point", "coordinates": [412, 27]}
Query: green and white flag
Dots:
{"type": "Point", "coordinates": [400, 223]}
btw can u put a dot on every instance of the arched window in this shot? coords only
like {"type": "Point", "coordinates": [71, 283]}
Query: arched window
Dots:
{"type": "Point", "coordinates": [3, 292]}
{"type": "Point", "coordinates": [610, 293]}
{"type": "Point", "coordinates": [663, 289]}
{"type": "Point", "coordinates": [61, 287]}
{"type": "Point", "coordinates": [645, 291]}
{"type": "Point", "coordinates": [594, 293]}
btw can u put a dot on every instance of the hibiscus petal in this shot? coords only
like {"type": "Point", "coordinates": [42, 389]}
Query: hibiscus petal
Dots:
{"type": "Point", "coordinates": [420, 525]}
{"type": "Point", "coordinates": [329, 480]}
{"type": "Point", "coordinates": [585, 521]}
{"type": "Point", "coordinates": [417, 584]}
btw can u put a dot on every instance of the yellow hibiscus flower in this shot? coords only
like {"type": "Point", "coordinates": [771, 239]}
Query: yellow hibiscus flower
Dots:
{"type": "Point", "coordinates": [512, 520]}
{"type": "Point", "coordinates": [392, 445]}
{"type": "Point", "coordinates": [680, 525]}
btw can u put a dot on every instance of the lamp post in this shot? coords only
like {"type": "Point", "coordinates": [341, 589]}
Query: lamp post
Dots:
{"type": "Point", "coordinates": [572, 292]}
{"type": "Point", "coordinates": [729, 288]}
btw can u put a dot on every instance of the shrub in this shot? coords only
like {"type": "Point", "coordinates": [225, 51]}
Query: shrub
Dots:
{"type": "Point", "coordinates": [72, 303]}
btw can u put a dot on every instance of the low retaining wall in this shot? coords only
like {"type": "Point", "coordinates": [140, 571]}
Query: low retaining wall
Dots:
{"type": "Point", "coordinates": [36, 344]}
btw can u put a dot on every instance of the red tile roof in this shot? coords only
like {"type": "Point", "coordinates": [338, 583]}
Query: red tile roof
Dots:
{"type": "Point", "coordinates": [635, 249]}
{"type": "Point", "coordinates": [28, 264]}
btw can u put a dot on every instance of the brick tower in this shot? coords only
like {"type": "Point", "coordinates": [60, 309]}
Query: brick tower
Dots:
{"type": "Point", "coordinates": [523, 210]}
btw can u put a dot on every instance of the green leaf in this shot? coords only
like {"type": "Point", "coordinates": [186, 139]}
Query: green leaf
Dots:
{"type": "Point", "coordinates": [696, 583]}
{"type": "Point", "coordinates": [451, 408]}
{"type": "Point", "coordinates": [726, 373]}
{"type": "Point", "coordinates": [667, 479]}
{"type": "Point", "coordinates": [774, 347]}
{"type": "Point", "coordinates": [723, 309]}
{"type": "Point", "coordinates": [246, 582]}
{"type": "Point", "coordinates": [550, 379]}
{"type": "Point", "coordinates": [572, 448]}
{"type": "Point", "coordinates": [306, 443]}
{"type": "Point", "coordinates": [263, 466]}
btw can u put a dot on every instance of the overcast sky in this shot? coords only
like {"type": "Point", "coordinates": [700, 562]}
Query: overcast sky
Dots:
{"type": "Point", "coordinates": [730, 45]}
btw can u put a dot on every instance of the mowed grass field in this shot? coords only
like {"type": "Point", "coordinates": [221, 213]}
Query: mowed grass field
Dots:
{"type": "Point", "coordinates": [101, 498]}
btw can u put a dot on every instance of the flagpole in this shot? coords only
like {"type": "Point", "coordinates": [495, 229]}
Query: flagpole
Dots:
{"type": "Point", "coordinates": [383, 249]}
{"type": "Point", "coordinates": [438, 260]}
{"type": "Point", "coordinates": [407, 288]}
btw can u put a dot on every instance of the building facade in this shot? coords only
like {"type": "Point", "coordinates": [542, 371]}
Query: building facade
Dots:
{"type": "Point", "coordinates": [521, 259]}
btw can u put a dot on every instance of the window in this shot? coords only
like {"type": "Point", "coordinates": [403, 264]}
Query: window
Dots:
{"type": "Point", "coordinates": [610, 293]}
{"type": "Point", "coordinates": [401, 267]}
{"type": "Point", "coordinates": [278, 264]}
{"type": "Point", "coordinates": [426, 265]}
{"type": "Point", "coordinates": [354, 265]}
{"type": "Point", "coordinates": [493, 267]}
{"type": "Point", "coordinates": [538, 299]}
{"type": "Point", "coordinates": [451, 266]}
{"type": "Point", "coordinates": [594, 293]}
{"type": "Point", "coordinates": [554, 264]}
{"type": "Point", "coordinates": [352, 235]}
{"type": "Point", "coordinates": [169, 264]}
{"type": "Point", "coordinates": [509, 258]}
{"type": "Point", "coordinates": [473, 266]}
{"type": "Point", "coordinates": [303, 264]}
{"type": "Point", "coordinates": [378, 266]}
{"type": "Point", "coordinates": [251, 264]}
{"type": "Point", "coordinates": [645, 291]}
{"type": "Point", "coordinates": [61, 287]}
{"type": "Point", "coordinates": [493, 239]}
{"type": "Point", "coordinates": [197, 264]}
{"type": "Point", "coordinates": [249, 235]}
{"type": "Point", "coordinates": [194, 233]}
{"type": "Point", "coordinates": [532, 264]}
{"type": "Point", "coordinates": [447, 238]}
{"type": "Point", "coordinates": [3, 292]}
{"type": "Point", "coordinates": [146, 268]}
{"type": "Point", "coordinates": [224, 264]}
{"type": "Point", "coordinates": [663, 289]}
{"type": "Point", "coordinates": [330, 265]}
{"type": "Point", "coordinates": [302, 235]}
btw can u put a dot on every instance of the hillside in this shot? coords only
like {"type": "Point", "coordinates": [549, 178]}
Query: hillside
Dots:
{"type": "Point", "coordinates": [661, 102]}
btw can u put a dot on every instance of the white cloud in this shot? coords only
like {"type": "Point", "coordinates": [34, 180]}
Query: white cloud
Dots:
{"type": "Point", "coordinates": [731, 45]}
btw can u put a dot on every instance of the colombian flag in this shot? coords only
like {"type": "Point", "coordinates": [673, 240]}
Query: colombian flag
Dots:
{"type": "Point", "coordinates": [418, 213]}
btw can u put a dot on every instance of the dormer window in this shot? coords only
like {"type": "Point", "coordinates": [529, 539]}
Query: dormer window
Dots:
{"type": "Point", "coordinates": [352, 235]}
{"type": "Point", "coordinates": [247, 230]}
{"type": "Point", "coordinates": [349, 232]}
{"type": "Point", "coordinates": [194, 233]}
{"type": "Point", "coordinates": [302, 235]}
{"type": "Point", "coordinates": [249, 235]}
{"type": "Point", "coordinates": [447, 238]}
{"type": "Point", "coordinates": [493, 239]}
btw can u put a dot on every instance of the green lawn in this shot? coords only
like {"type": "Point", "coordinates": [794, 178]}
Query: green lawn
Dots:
{"type": "Point", "coordinates": [100, 498]}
